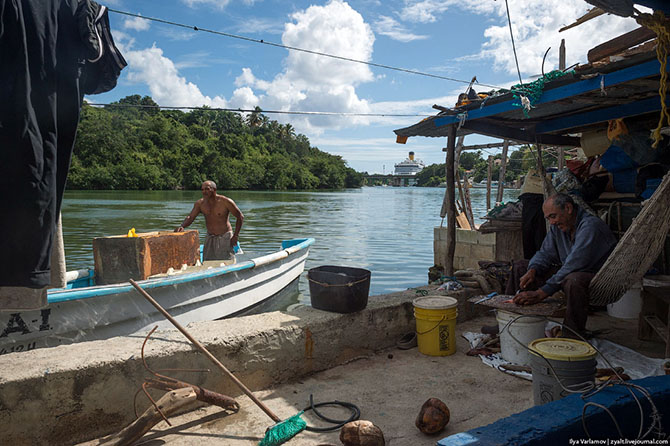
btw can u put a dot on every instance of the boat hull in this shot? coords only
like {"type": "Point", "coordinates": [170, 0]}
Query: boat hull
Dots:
{"type": "Point", "coordinates": [116, 310]}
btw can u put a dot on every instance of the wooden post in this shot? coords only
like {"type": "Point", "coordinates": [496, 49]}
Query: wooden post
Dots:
{"type": "Point", "coordinates": [468, 203]}
{"type": "Point", "coordinates": [488, 183]}
{"type": "Point", "coordinates": [561, 56]}
{"type": "Point", "coordinates": [451, 207]}
{"type": "Point", "coordinates": [561, 158]}
{"type": "Point", "coordinates": [501, 177]}
{"type": "Point", "coordinates": [549, 189]}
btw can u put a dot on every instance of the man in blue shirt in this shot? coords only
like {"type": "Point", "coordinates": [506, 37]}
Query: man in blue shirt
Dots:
{"type": "Point", "coordinates": [576, 246]}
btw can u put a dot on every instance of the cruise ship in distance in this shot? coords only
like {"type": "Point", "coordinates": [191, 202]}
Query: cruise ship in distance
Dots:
{"type": "Point", "coordinates": [410, 166]}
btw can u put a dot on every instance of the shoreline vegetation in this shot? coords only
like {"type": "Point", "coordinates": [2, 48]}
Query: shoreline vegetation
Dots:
{"type": "Point", "coordinates": [134, 145]}
{"type": "Point", "coordinates": [476, 167]}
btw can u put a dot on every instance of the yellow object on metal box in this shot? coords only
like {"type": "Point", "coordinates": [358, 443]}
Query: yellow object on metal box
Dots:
{"type": "Point", "coordinates": [436, 324]}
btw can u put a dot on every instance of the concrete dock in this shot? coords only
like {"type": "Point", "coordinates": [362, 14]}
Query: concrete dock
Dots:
{"type": "Point", "coordinates": [74, 393]}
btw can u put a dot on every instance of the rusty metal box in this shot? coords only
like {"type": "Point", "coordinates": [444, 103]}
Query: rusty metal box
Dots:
{"type": "Point", "coordinates": [119, 258]}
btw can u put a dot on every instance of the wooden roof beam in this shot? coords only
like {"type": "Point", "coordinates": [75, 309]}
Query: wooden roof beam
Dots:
{"type": "Point", "coordinates": [591, 14]}
{"type": "Point", "coordinates": [621, 43]}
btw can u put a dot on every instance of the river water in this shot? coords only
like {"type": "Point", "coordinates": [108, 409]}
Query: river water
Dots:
{"type": "Point", "coordinates": [386, 230]}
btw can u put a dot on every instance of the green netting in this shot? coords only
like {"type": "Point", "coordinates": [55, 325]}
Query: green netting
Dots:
{"type": "Point", "coordinates": [532, 91]}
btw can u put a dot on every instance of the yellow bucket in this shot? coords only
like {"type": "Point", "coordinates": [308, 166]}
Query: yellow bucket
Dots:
{"type": "Point", "coordinates": [436, 324]}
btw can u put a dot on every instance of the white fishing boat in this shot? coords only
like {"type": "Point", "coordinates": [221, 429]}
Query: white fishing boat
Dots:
{"type": "Point", "coordinates": [209, 291]}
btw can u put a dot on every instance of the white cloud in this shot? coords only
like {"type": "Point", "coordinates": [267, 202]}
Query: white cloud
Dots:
{"type": "Point", "coordinates": [312, 82]}
{"type": "Point", "coordinates": [260, 25]}
{"type": "Point", "coordinates": [136, 23]}
{"type": "Point", "coordinates": [535, 24]}
{"type": "Point", "coordinates": [389, 27]}
{"type": "Point", "coordinates": [219, 4]}
{"type": "Point", "coordinates": [424, 11]}
{"type": "Point", "coordinates": [167, 87]}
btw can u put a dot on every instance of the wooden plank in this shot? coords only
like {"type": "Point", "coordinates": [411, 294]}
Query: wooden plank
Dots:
{"type": "Point", "coordinates": [486, 127]}
{"type": "Point", "coordinates": [462, 221]}
{"type": "Point", "coordinates": [451, 199]}
{"type": "Point", "coordinates": [658, 326]}
{"type": "Point", "coordinates": [468, 203]}
{"type": "Point", "coordinates": [488, 183]}
{"type": "Point", "coordinates": [501, 176]}
{"type": "Point", "coordinates": [591, 14]}
{"type": "Point", "coordinates": [638, 71]}
{"type": "Point", "coordinates": [596, 116]}
{"type": "Point", "coordinates": [621, 43]}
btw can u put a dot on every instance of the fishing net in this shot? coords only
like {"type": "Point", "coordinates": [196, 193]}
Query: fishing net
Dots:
{"type": "Point", "coordinates": [528, 94]}
{"type": "Point", "coordinates": [636, 251]}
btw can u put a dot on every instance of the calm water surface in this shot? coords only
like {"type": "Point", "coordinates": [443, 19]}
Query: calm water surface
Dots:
{"type": "Point", "coordinates": [386, 230]}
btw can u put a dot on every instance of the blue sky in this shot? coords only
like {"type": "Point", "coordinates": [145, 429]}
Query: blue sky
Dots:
{"type": "Point", "coordinates": [452, 38]}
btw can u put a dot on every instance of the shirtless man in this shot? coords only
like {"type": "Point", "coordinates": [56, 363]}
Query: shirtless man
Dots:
{"type": "Point", "coordinates": [216, 208]}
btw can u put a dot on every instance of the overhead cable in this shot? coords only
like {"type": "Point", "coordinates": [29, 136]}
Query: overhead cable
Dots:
{"type": "Point", "coordinates": [509, 21]}
{"type": "Point", "coordinates": [242, 110]}
{"type": "Point", "coordinates": [292, 48]}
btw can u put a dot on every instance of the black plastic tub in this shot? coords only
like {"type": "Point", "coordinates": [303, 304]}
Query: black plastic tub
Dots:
{"type": "Point", "coordinates": [339, 288]}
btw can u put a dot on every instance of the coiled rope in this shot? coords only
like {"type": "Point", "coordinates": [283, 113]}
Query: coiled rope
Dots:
{"type": "Point", "coordinates": [658, 23]}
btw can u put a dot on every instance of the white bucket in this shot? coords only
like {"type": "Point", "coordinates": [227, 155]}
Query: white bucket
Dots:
{"type": "Point", "coordinates": [629, 306]}
{"type": "Point", "coordinates": [525, 330]}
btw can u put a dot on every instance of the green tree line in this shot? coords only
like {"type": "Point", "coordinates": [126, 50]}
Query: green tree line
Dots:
{"type": "Point", "coordinates": [123, 146]}
{"type": "Point", "coordinates": [518, 164]}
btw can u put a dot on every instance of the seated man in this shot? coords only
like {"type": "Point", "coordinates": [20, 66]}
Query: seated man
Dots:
{"type": "Point", "coordinates": [578, 244]}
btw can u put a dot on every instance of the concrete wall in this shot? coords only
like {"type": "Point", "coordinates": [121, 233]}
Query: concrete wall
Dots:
{"type": "Point", "coordinates": [72, 393]}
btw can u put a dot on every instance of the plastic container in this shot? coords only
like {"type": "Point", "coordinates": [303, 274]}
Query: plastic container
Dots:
{"type": "Point", "coordinates": [629, 306]}
{"type": "Point", "coordinates": [436, 324]}
{"type": "Point", "coordinates": [339, 288]}
{"type": "Point", "coordinates": [573, 362]}
{"type": "Point", "coordinates": [525, 330]}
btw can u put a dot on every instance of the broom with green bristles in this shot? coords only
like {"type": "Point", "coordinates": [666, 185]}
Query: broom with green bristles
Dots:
{"type": "Point", "coordinates": [275, 435]}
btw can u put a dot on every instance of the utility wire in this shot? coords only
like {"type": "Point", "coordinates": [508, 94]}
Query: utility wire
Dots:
{"type": "Point", "coordinates": [241, 110]}
{"type": "Point", "coordinates": [509, 21]}
{"type": "Point", "coordinates": [318, 53]}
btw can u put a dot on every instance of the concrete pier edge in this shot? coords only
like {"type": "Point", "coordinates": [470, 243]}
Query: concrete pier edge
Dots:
{"type": "Point", "coordinates": [77, 392]}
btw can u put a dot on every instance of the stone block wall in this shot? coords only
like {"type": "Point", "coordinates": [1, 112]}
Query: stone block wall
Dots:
{"type": "Point", "coordinates": [473, 246]}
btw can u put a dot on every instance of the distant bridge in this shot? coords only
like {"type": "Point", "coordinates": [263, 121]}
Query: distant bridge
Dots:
{"type": "Point", "coordinates": [390, 180]}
